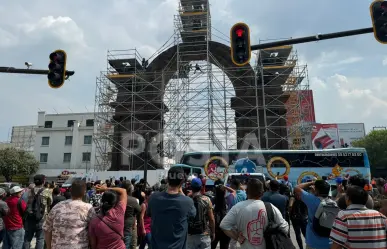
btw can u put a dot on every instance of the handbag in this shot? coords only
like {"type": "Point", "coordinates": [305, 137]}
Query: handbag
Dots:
{"type": "Point", "coordinates": [122, 237]}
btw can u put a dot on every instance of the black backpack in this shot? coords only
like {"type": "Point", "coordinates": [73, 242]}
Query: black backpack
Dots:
{"type": "Point", "coordinates": [36, 209]}
{"type": "Point", "coordinates": [198, 224]}
{"type": "Point", "coordinates": [274, 237]}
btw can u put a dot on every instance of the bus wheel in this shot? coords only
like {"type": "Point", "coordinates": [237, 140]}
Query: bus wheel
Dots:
{"type": "Point", "coordinates": [281, 159]}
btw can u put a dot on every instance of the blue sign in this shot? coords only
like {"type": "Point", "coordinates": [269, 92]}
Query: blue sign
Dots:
{"type": "Point", "coordinates": [244, 165]}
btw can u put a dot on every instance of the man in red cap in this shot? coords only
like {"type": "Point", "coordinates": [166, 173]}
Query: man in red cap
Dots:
{"type": "Point", "coordinates": [287, 183]}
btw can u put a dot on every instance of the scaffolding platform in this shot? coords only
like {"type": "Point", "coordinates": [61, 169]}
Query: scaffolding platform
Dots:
{"type": "Point", "coordinates": [126, 66]}
{"type": "Point", "coordinates": [193, 5]}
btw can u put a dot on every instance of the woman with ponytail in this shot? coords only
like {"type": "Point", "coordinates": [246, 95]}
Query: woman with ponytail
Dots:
{"type": "Point", "coordinates": [107, 229]}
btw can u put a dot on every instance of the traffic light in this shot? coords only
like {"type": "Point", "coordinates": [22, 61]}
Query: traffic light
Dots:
{"type": "Point", "coordinates": [240, 44]}
{"type": "Point", "coordinates": [378, 10]}
{"type": "Point", "coordinates": [57, 69]}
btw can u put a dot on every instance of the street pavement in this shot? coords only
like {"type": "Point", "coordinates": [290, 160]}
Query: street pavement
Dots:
{"type": "Point", "coordinates": [292, 235]}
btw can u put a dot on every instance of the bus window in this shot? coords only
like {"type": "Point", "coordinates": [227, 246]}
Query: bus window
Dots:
{"type": "Point", "coordinates": [187, 171]}
{"type": "Point", "coordinates": [196, 171]}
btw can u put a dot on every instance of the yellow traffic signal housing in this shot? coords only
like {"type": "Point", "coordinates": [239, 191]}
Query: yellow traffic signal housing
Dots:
{"type": "Point", "coordinates": [57, 69]}
{"type": "Point", "coordinates": [240, 44]}
{"type": "Point", "coordinates": [378, 11]}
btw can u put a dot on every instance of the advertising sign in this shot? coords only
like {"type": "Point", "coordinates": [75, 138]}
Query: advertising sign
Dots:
{"type": "Point", "coordinates": [350, 132]}
{"type": "Point", "coordinates": [300, 113]}
{"type": "Point", "coordinates": [325, 136]}
{"type": "Point", "coordinates": [307, 106]}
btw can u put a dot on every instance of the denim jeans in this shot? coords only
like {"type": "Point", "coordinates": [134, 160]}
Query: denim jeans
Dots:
{"type": "Point", "coordinates": [199, 241]}
{"type": "Point", "coordinates": [130, 239]}
{"type": "Point", "coordinates": [33, 229]}
{"type": "Point", "coordinates": [13, 239]}
{"type": "Point", "coordinates": [146, 241]}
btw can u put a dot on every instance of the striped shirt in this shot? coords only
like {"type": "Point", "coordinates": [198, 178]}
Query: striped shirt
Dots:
{"type": "Point", "coordinates": [360, 228]}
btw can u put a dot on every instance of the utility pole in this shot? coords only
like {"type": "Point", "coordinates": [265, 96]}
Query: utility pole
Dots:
{"type": "Point", "coordinates": [318, 37]}
{"type": "Point", "coordinates": [146, 159]}
{"type": "Point", "coordinates": [29, 71]}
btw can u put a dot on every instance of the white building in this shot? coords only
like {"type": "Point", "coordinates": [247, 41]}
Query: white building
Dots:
{"type": "Point", "coordinates": [65, 142]}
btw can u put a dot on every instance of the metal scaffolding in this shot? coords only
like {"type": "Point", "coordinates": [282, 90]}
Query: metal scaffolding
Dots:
{"type": "Point", "coordinates": [23, 137]}
{"type": "Point", "coordinates": [188, 96]}
{"type": "Point", "coordinates": [284, 81]}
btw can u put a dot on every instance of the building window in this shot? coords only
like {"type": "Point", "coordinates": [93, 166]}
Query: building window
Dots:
{"type": "Point", "coordinates": [48, 124]}
{"type": "Point", "coordinates": [70, 123]}
{"type": "Point", "coordinates": [68, 140]}
{"type": "Point", "coordinates": [43, 157]}
{"type": "Point", "coordinates": [45, 141]}
{"type": "Point", "coordinates": [87, 139]}
{"type": "Point", "coordinates": [86, 156]}
{"type": "Point", "coordinates": [89, 122]}
{"type": "Point", "coordinates": [66, 157]}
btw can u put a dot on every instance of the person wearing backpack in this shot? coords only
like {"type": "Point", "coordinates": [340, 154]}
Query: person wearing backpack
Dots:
{"type": "Point", "coordinates": [38, 206]}
{"type": "Point", "coordinates": [321, 213]}
{"type": "Point", "coordinates": [201, 228]}
{"type": "Point", "coordinates": [255, 224]}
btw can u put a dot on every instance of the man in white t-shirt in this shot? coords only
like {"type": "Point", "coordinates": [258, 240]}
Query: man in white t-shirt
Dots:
{"type": "Point", "coordinates": [247, 220]}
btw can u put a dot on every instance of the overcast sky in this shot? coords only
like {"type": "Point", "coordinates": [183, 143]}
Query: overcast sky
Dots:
{"type": "Point", "coordinates": [348, 75]}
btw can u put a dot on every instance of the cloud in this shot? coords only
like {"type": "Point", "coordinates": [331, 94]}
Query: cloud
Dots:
{"type": "Point", "coordinates": [62, 29]}
{"type": "Point", "coordinates": [351, 99]}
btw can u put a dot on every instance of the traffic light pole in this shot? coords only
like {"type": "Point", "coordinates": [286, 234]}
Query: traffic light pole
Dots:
{"type": "Point", "coordinates": [313, 38]}
{"type": "Point", "coordinates": [29, 71]}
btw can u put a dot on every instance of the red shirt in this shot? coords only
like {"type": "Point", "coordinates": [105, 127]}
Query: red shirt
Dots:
{"type": "Point", "coordinates": [14, 221]}
{"type": "Point", "coordinates": [106, 236]}
{"type": "Point", "coordinates": [203, 190]}
{"type": "Point", "coordinates": [147, 220]}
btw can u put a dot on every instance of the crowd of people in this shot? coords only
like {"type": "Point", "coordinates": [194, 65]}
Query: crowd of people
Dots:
{"type": "Point", "coordinates": [180, 213]}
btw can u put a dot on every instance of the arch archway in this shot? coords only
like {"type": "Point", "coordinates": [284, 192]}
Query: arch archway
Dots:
{"type": "Point", "coordinates": [245, 103]}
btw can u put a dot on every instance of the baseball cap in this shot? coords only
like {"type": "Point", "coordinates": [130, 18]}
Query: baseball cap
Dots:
{"type": "Point", "coordinates": [2, 191]}
{"type": "Point", "coordinates": [196, 183]}
{"type": "Point", "coordinates": [15, 190]}
{"type": "Point", "coordinates": [286, 178]}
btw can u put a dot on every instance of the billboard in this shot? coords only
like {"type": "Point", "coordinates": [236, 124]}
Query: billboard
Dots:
{"type": "Point", "coordinates": [307, 106]}
{"type": "Point", "coordinates": [305, 113]}
{"type": "Point", "coordinates": [350, 132]}
{"type": "Point", "coordinates": [325, 136]}
{"type": "Point", "coordinates": [300, 113]}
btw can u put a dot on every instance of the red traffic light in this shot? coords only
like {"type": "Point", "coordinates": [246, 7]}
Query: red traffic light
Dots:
{"type": "Point", "coordinates": [239, 32]}
{"type": "Point", "coordinates": [240, 44]}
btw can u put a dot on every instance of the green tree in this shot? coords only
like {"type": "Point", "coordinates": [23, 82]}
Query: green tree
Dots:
{"type": "Point", "coordinates": [14, 162]}
{"type": "Point", "coordinates": [375, 143]}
